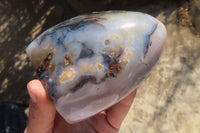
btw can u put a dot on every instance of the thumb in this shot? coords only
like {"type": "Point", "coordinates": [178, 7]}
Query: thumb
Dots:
{"type": "Point", "coordinates": [41, 109]}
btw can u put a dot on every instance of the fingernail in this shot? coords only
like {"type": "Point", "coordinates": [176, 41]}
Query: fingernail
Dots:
{"type": "Point", "coordinates": [33, 98]}
{"type": "Point", "coordinates": [45, 85]}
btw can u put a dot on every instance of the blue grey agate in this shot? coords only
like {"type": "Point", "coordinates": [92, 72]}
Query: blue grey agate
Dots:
{"type": "Point", "coordinates": [90, 62]}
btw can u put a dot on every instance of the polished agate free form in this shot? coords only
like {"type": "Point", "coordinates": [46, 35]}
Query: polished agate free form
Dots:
{"type": "Point", "coordinates": [90, 62]}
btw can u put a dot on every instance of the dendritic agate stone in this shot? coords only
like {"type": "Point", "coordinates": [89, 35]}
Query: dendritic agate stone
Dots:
{"type": "Point", "coordinates": [90, 62]}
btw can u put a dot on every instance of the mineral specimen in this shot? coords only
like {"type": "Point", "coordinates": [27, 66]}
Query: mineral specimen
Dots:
{"type": "Point", "coordinates": [90, 62]}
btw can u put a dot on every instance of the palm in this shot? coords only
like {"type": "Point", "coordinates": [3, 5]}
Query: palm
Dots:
{"type": "Point", "coordinates": [95, 124]}
{"type": "Point", "coordinates": [43, 117]}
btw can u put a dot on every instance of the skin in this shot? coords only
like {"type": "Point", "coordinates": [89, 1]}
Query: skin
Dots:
{"type": "Point", "coordinates": [43, 117]}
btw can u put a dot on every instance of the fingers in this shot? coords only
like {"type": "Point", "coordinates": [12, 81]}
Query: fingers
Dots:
{"type": "Point", "coordinates": [101, 125]}
{"type": "Point", "coordinates": [61, 125]}
{"type": "Point", "coordinates": [41, 109]}
{"type": "Point", "coordinates": [117, 113]}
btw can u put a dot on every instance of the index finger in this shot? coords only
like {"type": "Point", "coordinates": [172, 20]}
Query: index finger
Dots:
{"type": "Point", "coordinates": [117, 113]}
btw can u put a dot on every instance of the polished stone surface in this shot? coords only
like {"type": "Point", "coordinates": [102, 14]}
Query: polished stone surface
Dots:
{"type": "Point", "coordinates": [90, 62]}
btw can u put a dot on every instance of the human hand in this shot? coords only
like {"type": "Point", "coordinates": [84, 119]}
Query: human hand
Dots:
{"type": "Point", "coordinates": [43, 117]}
